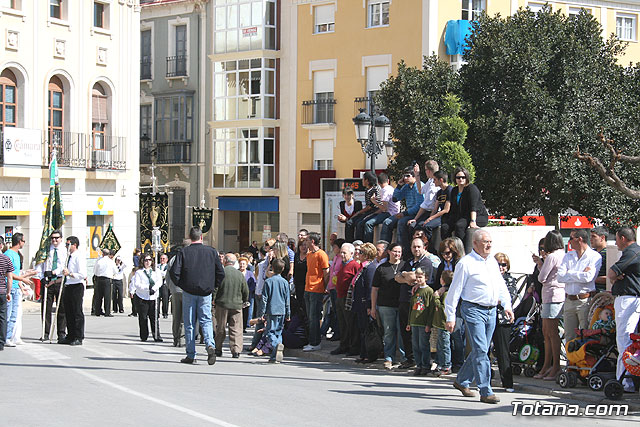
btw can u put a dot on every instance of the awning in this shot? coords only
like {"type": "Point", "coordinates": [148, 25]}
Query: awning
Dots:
{"type": "Point", "coordinates": [455, 35]}
{"type": "Point", "coordinates": [248, 204]}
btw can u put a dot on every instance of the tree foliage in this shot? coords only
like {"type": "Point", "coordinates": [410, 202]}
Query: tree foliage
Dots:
{"type": "Point", "coordinates": [453, 132]}
{"type": "Point", "coordinates": [536, 87]}
{"type": "Point", "coordinates": [414, 101]}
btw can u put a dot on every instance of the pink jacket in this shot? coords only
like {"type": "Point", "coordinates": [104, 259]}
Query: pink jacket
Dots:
{"type": "Point", "coordinates": [552, 290]}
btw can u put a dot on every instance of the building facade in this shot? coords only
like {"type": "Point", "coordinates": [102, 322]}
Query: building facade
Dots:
{"type": "Point", "coordinates": [69, 84]}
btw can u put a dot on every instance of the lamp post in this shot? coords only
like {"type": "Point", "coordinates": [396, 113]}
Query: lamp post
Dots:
{"type": "Point", "coordinates": [373, 134]}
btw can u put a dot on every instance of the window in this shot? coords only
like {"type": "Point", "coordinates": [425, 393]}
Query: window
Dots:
{"type": "Point", "coordinates": [8, 99]}
{"type": "Point", "coordinates": [242, 25]}
{"type": "Point", "coordinates": [145, 120]}
{"type": "Point", "coordinates": [55, 9]}
{"type": "Point", "coordinates": [378, 13]}
{"type": "Point", "coordinates": [535, 6]}
{"type": "Point", "coordinates": [471, 9]}
{"type": "Point", "coordinates": [244, 158]}
{"type": "Point", "coordinates": [323, 155]}
{"type": "Point", "coordinates": [456, 62]}
{"type": "Point", "coordinates": [245, 89]}
{"type": "Point", "coordinates": [9, 4]}
{"type": "Point", "coordinates": [177, 64]}
{"type": "Point", "coordinates": [626, 27]}
{"type": "Point", "coordinates": [100, 116]}
{"type": "Point", "coordinates": [55, 113]}
{"type": "Point", "coordinates": [98, 15]}
{"type": "Point", "coordinates": [324, 18]}
{"type": "Point", "coordinates": [145, 55]}
{"type": "Point", "coordinates": [323, 96]}
{"type": "Point", "coordinates": [575, 11]}
{"type": "Point", "coordinates": [174, 119]}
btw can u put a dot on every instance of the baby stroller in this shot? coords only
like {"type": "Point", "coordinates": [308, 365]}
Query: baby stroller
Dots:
{"type": "Point", "coordinates": [527, 342]}
{"type": "Point", "coordinates": [614, 389]}
{"type": "Point", "coordinates": [592, 355]}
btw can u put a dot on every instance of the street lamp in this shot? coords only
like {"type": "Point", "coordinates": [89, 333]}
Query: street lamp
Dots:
{"type": "Point", "coordinates": [373, 134]}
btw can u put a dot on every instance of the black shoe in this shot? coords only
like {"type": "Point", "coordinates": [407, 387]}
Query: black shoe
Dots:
{"type": "Point", "coordinates": [158, 340]}
{"type": "Point", "coordinates": [175, 343]}
{"type": "Point", "coordinates": [189, 361]}
{"type": "Point", "coordinates": [417, 372]}
{"type": "Point", "coordinates": [337, 351]}
{"type": "Point", "coordinates": [143, 339]}
{"type": "Point", "coordinates": [64, 340]}
{"type": "Point", "coordinates": [352, 353]}
{"type": "Point", "coordinates": [334, 338]}
{"type": "Point", "coordinates": [407, 364]}
{"type": "Point", "coordinates": [164, 316]}
{"type": "Point", "coordinates": [235, 355]}
{"type": "Point", "coordinates": [219, 353]}
{"type": "Point", "coordinates": [108, 315]}
{"type": "Point", "coordinates": [1, 347]}
{"type": "Point", "coordinates": [121, 311]}
{"type": "Point", "coordinates": [211, 355]}
{"type": "Point", "coordinates": [76, 342]}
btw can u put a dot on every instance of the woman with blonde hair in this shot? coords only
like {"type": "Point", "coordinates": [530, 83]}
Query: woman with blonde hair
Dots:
{"type": "Point", "coordinates": [361, 303]}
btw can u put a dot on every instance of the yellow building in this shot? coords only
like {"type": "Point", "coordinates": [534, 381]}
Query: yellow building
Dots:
{"type": "Point", "coordinates": [340, 51]}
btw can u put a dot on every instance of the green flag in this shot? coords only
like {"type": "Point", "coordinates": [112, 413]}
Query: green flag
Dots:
{"type": "Point", "coordinates": [54, 215]}
{"type": "Point", "coordinates": [110, 241]}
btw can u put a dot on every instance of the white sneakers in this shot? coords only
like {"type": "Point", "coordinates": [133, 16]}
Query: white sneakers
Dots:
{"type": "Point", "coordinates": [310, 347]}
{"type": "Point", "coordinates": [9, 343]}
{"type": "Point", "coordinates": [279, 353]}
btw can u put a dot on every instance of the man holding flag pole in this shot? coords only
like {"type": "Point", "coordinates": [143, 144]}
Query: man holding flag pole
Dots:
{"type": "Point", "coordinates": [51, 256]}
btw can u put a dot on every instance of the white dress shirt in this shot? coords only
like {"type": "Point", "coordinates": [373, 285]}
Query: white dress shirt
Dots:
{"type": "Point", "coordinates": [46, 266]}
{"type": "Point", "coordinates": [140, 284]}
{"type": "Point", "coordinates": [162, 269]}
{"type": "Point", "coordinates": [429, 190]}
{"type": "Point", "coordinates": [105, 267]}
{"type": "Point", "coordinates": [120, 274]}
{"type": "Point", "coordinates": [77, 269]}
{"type": "Point", "coordinates": [571, 271]}
{"type": "Point", "coordinates": [477, 280]}
{"type": "Point", "coordinates": [262, 275]}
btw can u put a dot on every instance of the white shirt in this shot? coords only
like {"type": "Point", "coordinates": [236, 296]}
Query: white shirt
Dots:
{"type": "Point", "coordinates": [163, 269]}
{"type": "Point", "coordinates": [105, 267]}
{"type": "Point", "coordinates": [120, 268]}
{"type": "Point", "coordinates": [140, 284]}
{"type": "Point", "coordinates": [46, 266]}
{"type": "Point", "coordinates": [477, 280]}
{"type": "Point", "coordinates": [262, 271]}
{"type": "Point", "coordinates": [571, 271]}
{"type": "Point", "coordinates": [77, 269]}
{"type": "Point", "coordinates": [428, 190]}
{"type": "Point", "coordinates": [386, 195]}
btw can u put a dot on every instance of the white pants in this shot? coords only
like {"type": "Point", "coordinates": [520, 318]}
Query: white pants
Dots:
{"type": "Point", "coordinates": [627, 316]}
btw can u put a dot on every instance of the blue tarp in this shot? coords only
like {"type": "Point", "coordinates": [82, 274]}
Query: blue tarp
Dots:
{"type": "Point", "coordinates": [455, 35]}
{"type": "Point", "coordinates": [248, 204]}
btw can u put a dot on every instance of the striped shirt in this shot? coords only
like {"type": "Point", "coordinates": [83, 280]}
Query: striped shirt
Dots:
{"type": "Point", "coordinates": [373, 191]}
{"type": "Point", "coordinates": [6, 266]}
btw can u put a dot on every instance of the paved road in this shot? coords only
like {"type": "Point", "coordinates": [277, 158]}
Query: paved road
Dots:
{"type": "Point", "coordinates": [116, 380]}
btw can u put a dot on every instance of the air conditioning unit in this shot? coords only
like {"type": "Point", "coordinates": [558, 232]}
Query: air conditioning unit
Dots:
{"type": "Point", "coordinates": [101, 159]}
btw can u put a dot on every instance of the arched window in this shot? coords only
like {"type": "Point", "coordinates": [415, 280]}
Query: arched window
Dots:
{"type": "Point", "coordinates": [100, 118]}
{"type": "Point", "coordinates": [55, 115]}
{"type": "Point", "coordinates": [8, 99]}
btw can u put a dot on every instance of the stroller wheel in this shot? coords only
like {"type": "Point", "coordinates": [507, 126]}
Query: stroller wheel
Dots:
{"type": "Point", "coordinates": [573, 379]}
{"type": "Point", "coordinates": [529, 371]}
{"type": "Point", "coordinates": [595, 382]}
{"type": "Point", "coordinates": [516, 370]}
{"type": "Point", "coordinates": [613, 390]}
{"type": "Point", "coordinates": [563, 379]}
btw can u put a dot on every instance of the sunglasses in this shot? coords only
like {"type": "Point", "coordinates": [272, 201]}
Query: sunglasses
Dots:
{"type": "Point", "coordinates": [56, 237]}
{"type": "Point", "coordinates": [446, 253]}
{"type": "Point", "coordinates": [461, 177]}
{"type": "Point", "coordinates": [502, 264]}
{"type": "Point", "coordinates": [148, 259]}
{"type": "Point", "coordinates": [408, 175]}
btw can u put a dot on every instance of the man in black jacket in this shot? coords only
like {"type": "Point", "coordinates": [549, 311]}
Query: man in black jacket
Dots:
{"type": "Point", "coordinates": [197, 271]}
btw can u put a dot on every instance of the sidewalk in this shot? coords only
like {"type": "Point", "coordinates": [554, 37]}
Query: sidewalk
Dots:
{"type": "Point", "coordinates": [522, 383]}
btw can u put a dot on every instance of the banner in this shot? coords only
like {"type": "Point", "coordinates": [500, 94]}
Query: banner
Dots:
{"type": "Point", "coordinates": [54, 215]}
{"type": "Point", "coordinates": [22, 146]}
{"type": "Point", "coordinates": [203, 218]}
{"type": "Point", "coordinates": [154, 212]}
{"type": "Point", "coordinates": [110, 241]}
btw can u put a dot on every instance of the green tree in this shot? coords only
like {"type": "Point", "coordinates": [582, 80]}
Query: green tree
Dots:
{"type": "Point", "coordinates": [414, 101]}
{"type": "Point", "coordinates": [453, 132]}
{"type": "Point", "coordinates": [535, 88]}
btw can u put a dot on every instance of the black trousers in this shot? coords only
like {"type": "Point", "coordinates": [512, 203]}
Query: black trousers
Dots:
{"type": "Point", "coordinates": [404, 309]}
{"type": "Point", "coordinates": [460, 226]}
{"type": "Point", "coordinates": [501, 337]}
{"type": "Point", "coordinates": [3, 319]}
{"type": "Point", "coordinates": [146, 315]}
{"type": "Point", "coordinates": [117, 296]}
{"type": "Point", "coordinates": [103, 292]}
{"type": "Point", "coordinates": [72, 297]}
{"type": "Point", "coordinates": [164, 299]}
{"type": "Point", "coordinates": [52, 295]}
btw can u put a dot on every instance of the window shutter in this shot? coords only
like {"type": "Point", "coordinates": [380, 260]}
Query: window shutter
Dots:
{"type": "Point", "coordinates": [375, 77]}
{"type": "Point", "coordinates": [324, 14]}
{"type": "Point", "coordinates": [322, 81]}
{"type": "Point", "coordinates": [99, 109]}
{"type": "Point", "coordinates": [323, 150]}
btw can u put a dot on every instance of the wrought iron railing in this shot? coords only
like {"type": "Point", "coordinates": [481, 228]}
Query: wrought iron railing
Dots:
{"type": "Point", "coordinates": [318, 111]}
{"type": "Point", "coordinates": [83, 150]}
{"type": "Point", "coordinates": [176, 66]}
{"type": "Point", "coordinates": [165, 152]}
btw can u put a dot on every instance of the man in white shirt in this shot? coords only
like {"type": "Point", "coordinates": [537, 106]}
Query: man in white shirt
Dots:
{"type": "Point", "coordinates": [51, 271]}
{"type": "Point", "coordinates": [386, 208]}
{"type": "Point", "coordinates": [164, 289]}
{"type": "Point", "coordinates": [429, 188]}
{"type": "Point", "coordinates": [104, 271]}
{"type": "Point", "coordinates": [75, 273]}
{"type": "Point", "coordinates": [578, 272]}
{"type": "Point", "coordinates": [478, 283]}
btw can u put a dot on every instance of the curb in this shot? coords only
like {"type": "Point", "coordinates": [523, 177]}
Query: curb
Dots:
{"type": "Point", "coordinates": [573, 394]}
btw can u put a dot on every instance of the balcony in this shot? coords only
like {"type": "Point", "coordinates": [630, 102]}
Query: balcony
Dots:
{"type": "Point", "coordinates": [84, 150]}
{"type": "Point", "coordinates": [177, 66]}
{"type": "Point", "coordinates": [310, 182]}
{"type": "Point", "coordinates": [166, 152]}
{"type": "Point", "coordinates": [318, 112]}
{"type": "Point", "coordinates": [365, 103]}
{"type": "Point", "coordinates": [145, 69]}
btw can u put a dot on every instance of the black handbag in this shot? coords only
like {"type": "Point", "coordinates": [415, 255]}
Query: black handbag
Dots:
{"type": "Point", "coordinates": [373, 340]}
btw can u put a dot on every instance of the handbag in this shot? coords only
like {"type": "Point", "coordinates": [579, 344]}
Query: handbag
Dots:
{"type": "Point", "coordinates": [373, 340]}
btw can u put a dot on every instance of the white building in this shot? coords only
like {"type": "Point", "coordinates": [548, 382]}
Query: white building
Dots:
{"type": "Point", "coordinates": [69, 77]}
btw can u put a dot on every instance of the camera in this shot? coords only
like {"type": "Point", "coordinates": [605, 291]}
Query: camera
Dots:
{"type": "Point", "coordinates": [48, 276]}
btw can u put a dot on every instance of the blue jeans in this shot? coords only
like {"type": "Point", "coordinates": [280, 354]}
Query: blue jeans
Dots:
{"type": "Point", "coordinates": [12, 311]}
{"type": "Point", "coordinates": [421, 347]}
{"type": "Point", "coordinates": [251, 313]}
{"type": "Point", "coordinates": [430, 226]}
{"type": "Point", "coordinates": [457, 343]}
{"type": "Point", "coordinates": [390, 223]}
{"type": "Point", "coordinates": [390, 323]}
{"type": "Point", "coordinates": [313, 301]}
{"type": "Point", "coordinates": [196, 309]}
{"type": "Point", "coordinates": [365, 228]}
{"type": "Point", "coordinates": [480, 323]}
{"type": "Point", "coordinates": [274, 327]}
{"type": "Point", "coordinates": [444, 348]}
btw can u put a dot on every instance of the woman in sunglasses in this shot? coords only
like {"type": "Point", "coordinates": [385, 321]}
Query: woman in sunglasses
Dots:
{"type": "Point", "coordinates": [467, 209]}
{"type": "Point", "coordinates": [144, 288]}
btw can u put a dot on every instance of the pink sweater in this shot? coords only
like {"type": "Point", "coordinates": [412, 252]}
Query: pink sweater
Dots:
{"type": "Point", "coordinates": [552, 290]}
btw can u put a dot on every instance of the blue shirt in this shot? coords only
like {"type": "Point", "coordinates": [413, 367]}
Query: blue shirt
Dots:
{"type": "Point", "coordinates": [411, 196]}
{"type": "Point", "coordinates": [15, 261]}
{"type": "Point", "coordinates": [275, 296]}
